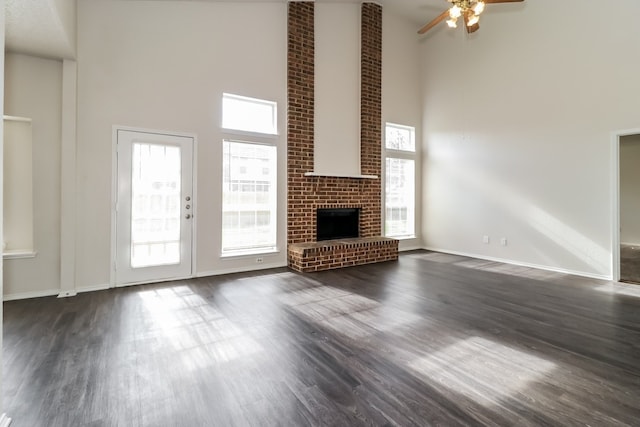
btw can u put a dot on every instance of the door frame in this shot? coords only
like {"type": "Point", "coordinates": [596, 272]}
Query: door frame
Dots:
{"type": "Point", "coordinates": [114, 198]}
{"type": "Point", "coordinates": [615, 202]}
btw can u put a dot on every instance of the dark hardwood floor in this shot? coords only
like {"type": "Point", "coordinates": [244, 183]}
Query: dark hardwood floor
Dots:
{"type": "Point", "coordinates": [432, 339]}
{"type": "Point", "coordinates": [630, 263]}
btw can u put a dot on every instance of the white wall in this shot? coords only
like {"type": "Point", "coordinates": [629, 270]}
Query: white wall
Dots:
{"type": "Point", "coordinates": [66, 14]}
{"type": "Point", "coordinates": [630, 189]}
{"type": "Point", "coordinates": [17, 223]}
{"type": "Point", "coordinates": [164, 65]}
{"type": "Point", "coordinates": [517, 123]}
{"type": "Point", "coordinates": [401, 96]}
{"type": "Point", "coordinates": [33, 89]}
{"type": "Point", "coordinates": [337, 89]}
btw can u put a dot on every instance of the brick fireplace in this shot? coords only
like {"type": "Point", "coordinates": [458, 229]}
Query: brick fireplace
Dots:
{"type": "Point", "coordinates": [308, 193]}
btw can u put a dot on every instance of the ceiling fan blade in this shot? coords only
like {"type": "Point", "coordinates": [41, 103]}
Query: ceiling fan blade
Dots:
{"type": "Point", "coordinates": [502, 1]}
{"type": "Point", "coordinates": [444, 15]}
{"type": "Point", "coordinates": [472, 28]}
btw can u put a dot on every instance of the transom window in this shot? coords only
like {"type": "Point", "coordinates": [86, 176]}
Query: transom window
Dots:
{"type": "Point", "coordinates": [400, 137]}
{"type": "Point", "coordinates": [245, 114]}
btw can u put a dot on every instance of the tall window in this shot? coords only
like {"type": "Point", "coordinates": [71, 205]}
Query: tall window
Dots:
{"type": "Point", "coordinates": [249, 184]}
{"type": "Point", "coordinates": [400, 183]}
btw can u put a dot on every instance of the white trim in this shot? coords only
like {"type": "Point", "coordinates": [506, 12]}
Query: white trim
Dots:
{"type": "Point", "coordinates": [32, 294]}
{"type": "Point", "coordinates": [339, 175]}
{"type": "Point", "coordinates": [94, 288]}
{"type": "Point", "coordinates": [249, 253]}
{"type": "Point", "coordinates": [241, 269]}
{"type": "Point", "coordinates": [615, 200]}
{"type": "Point", "coordinates": [409, 247]}
{"type": "Point", "coordinates": [4, 420]}
{"type": "Point", "coordinates": [114, 197]}
{"type": "Point", "coordinates": [194, 203]}
{"type": "Point", "coordinates": [19, 254]}
{"type": "Point", "coordinates": [114, 201]}
{"type": "Point", "coordinates": [17, 119]}
{"type": "Point", "coordinates": [522, 264]}
{"type": "Point", "coordinates": [254, 101]}
{"type": "Point", "coordinates": [146, 282]}
{"type": "Point", "coordinates": [68, 177]}
{"type": "Point", "coordinates": [267, 137]}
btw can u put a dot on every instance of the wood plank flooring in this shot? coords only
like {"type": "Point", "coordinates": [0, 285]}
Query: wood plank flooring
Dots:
{"type": "Point", "coordinates": [630, 263]}
{"type": "Point", "coordinates": [432, 339]}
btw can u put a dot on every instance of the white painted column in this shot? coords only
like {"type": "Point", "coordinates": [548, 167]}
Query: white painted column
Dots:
{"type": "Point", "coordinates": [4, 420]}
{"type": "Point", "coordinates": [68, 180]}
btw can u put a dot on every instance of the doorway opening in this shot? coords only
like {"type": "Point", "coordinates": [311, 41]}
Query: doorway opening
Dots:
{"type": "Point", "coordinates": [626, 239]}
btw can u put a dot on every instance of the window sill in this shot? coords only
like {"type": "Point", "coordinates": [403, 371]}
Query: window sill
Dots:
{"type": "Point", "coordinates": [248, 253]}
{"type": "Point", "coordinates": [19, 254]}
{"type": "Point", "coordinates": [403, 237]}
{"type": "Point", "coordinates": [251, 134]}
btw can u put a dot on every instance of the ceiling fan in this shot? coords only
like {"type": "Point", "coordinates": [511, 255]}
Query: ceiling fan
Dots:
{"type": "Point", "coordinates": [469, 10]}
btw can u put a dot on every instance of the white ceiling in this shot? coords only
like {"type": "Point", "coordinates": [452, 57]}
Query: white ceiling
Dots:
{"type": "Point", "coordinates": [47, 27]}
{"type": "Point", "coordinates": [418, 11]}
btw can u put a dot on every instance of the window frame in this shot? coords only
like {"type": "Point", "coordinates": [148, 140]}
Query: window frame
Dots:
{"type": "Point", "coordinates": [250, 133]}
{"type": "Point", "coordinates": [253, 138]}
{"type": "Point", "coordinates": [252, 250]}
{"type": "Point", "coordinates": [391, 153]}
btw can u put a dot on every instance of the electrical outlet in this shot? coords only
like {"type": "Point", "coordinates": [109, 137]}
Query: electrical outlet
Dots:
{"type": "Point", "coordinates": [485, 240]}
{"type": "Point", "coordinates": [503, 241]}
{"type": "Point", "coordinates": [259, 260]}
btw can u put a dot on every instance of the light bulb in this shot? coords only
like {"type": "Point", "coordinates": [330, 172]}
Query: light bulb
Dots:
{"type": "Point", "coordinates": [455, 12]}
{"type": "Point", "coordinates": [473, 20]}
{"type": "Point", "coordinates": [452, 23]}
{"type": "Point", "coordinates": [478, 8]}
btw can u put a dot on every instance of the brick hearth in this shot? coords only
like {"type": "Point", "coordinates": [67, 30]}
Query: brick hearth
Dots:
{"type": "Point", "coordinates": [308, 193]}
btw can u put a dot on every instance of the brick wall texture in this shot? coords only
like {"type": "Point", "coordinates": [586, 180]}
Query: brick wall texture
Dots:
{"type": "Point", "coordinates": [306, 194]}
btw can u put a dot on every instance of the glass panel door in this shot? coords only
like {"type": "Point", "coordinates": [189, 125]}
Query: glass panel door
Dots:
{"type": "Point", "coordinates": [154, 208]}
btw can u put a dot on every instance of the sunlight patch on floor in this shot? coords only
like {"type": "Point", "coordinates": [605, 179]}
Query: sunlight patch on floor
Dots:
{"type": "Point", "coordinates": [476, 368]}
{"type": "Point", "coordinates": [620, 289]}
{"type": "Point", "coordinates": [202, 336]}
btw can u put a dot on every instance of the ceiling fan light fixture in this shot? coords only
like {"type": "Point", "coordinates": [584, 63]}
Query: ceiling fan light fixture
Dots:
{"type": "Point", "coordinates": [455, 12]}
{"type": "Point", "coordinates": [478, 8]}
{"type": "Point", "coordinates": [473, 19]}
{"type": "Point", "coordinates": [469, 10]}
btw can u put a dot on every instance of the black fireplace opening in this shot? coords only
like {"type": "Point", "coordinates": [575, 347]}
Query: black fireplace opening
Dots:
{"type": "Point", "coordinates": [338, 223]}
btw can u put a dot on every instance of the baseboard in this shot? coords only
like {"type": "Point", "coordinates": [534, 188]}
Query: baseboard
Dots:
{"type": "Point", "coordinates": [32, 294]}
{"type": "Point", "coordinates": [4, 420]}
{"type": "Point", "coordinates": [523, 264]}
{"type": "Point", "coordinates": [409, 248]}
{"type": "Point", "coordinates": [241, 269]}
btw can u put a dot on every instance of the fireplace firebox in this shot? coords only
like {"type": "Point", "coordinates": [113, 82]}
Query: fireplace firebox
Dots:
{"type": "Point", "coordinates": [337, 223]}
